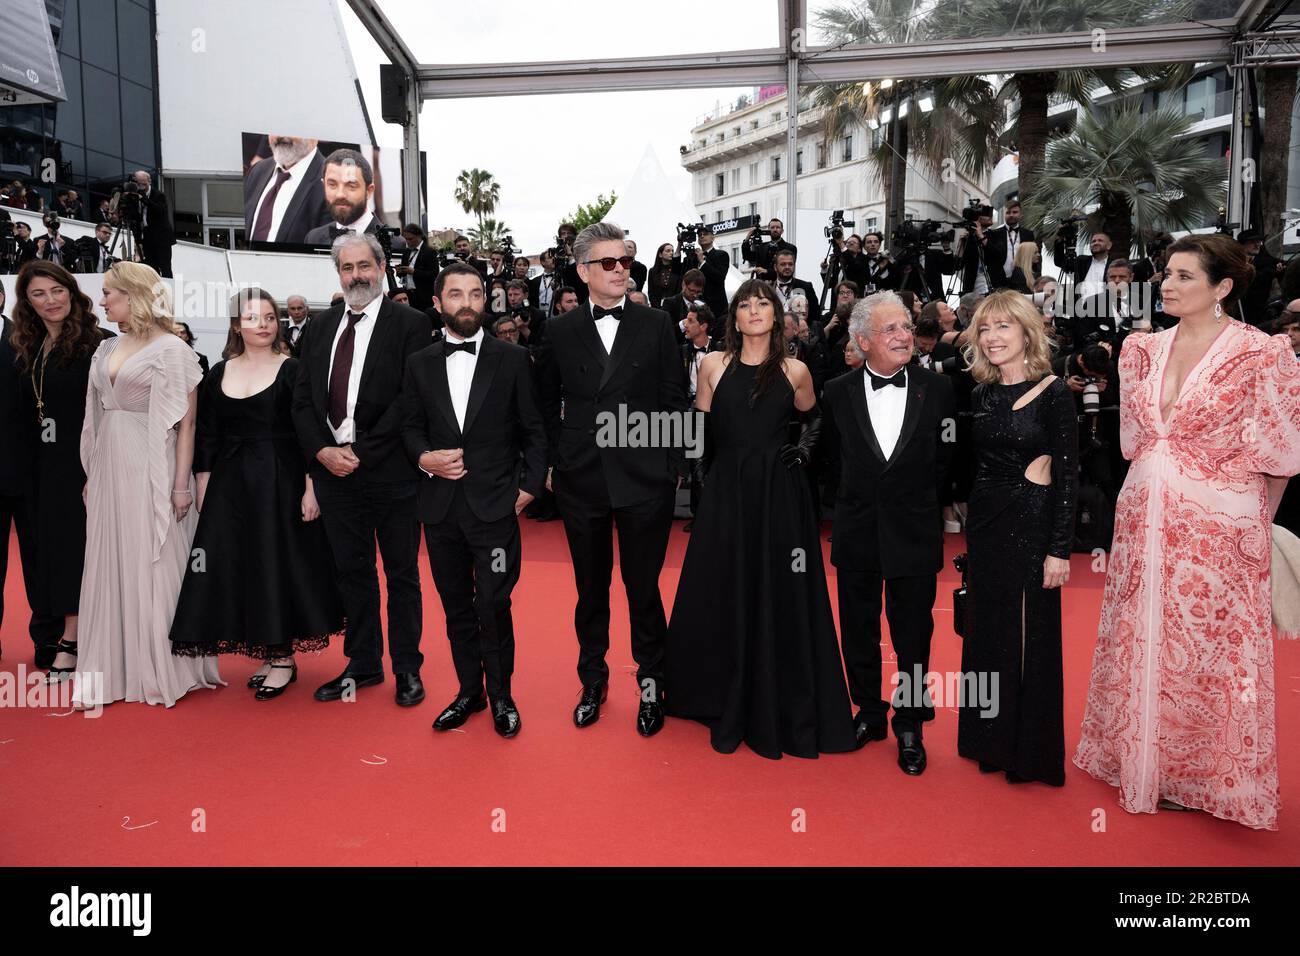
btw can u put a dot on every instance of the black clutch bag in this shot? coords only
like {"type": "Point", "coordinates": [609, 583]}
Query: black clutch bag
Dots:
{"type": "Point", "coordinates": [960, 608]}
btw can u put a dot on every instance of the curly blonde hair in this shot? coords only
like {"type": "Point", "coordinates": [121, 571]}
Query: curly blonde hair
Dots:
{"type": "Point", "coordinates": [150, 299]}
{"type": "Point", "coordinates": [1007, 303]}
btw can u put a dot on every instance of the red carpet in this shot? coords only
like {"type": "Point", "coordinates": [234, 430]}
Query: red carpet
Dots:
{"type": "Point", "coordinates": [286, 782]}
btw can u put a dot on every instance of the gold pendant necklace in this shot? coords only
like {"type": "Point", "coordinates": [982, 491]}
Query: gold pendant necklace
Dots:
{"type": "Point", "coordinates": [39, 390]}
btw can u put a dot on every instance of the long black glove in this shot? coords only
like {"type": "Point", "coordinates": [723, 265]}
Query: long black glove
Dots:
{"type": "Point", "coordinates": [800, 454]}
{"type": "Point", "coordinates": [700, 466]}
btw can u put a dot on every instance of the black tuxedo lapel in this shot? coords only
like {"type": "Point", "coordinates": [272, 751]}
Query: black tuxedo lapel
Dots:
{"type": "Point", "coordinates": [590, 337]}
{"type": "Point", "coordinates": [858, 400]}
{"type": "Point", "coordinates": [628, 329]}
{"type": "Point", "coordinates": [377, 340]}
{"type": "Point", "coordinates": [312, 176]}
{"type": "Point", "coordinates": [916, 387]}
{"type": "Point", "coordinates": [442, 388]}
{"type": "Point", "coordinates": [484, 369]}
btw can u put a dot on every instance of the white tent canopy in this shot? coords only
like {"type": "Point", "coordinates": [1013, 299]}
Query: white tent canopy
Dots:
{"type": "Point", "coordinates": [649, 209]}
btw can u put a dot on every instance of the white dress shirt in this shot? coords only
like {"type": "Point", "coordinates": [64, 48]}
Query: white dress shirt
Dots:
{"type": "Point", "coordinates": [408, 280]}
{"type": "Point", "coordinates": [545, 291]}
{"type": "Point", "coordinates": [607, 327]}
{"type": "Point", "coordinates": [359, 227]}
{"type": "Point", "coordinates": [885, 407]}
{"type": "Point", "coordinates": [345, 434]}
{"type": "Point", "coordinates": [696, 359]}
{"type": "Point", "coordinates": [460, 372]}
{"type": "Point", "coordinates": [1094, 283]}
{"type": "Point", "coordinates": [1013, 237]}
{"type": "Point", "coordinates": [294, 332]}
{"type": "Point", "coordinates": [297, 174]}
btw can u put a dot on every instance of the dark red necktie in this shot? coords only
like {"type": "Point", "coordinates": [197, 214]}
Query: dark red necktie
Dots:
{"type": "Point", "coordinates": [263, 224]}
{"type": "Point", "coordinates": [342, 370]}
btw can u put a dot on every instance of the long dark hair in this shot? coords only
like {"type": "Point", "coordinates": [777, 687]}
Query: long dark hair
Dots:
{"type": "Point", "coordinates": [238, 302]}
{"type": "Point", "coordinates": [773, 365]}
{"type": "Point", "coordinates": [81, 333]}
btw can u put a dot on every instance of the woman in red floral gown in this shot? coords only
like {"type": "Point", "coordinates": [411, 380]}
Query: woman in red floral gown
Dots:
{"type": "Point", "coordinates": [1180, 705]}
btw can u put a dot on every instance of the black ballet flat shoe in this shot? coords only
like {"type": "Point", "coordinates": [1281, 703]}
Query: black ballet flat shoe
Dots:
{"type": "Point", "coordinates": [410, 690]}
{"type": "Point", "coordinates": [458, 711]}
{"type": "Point", "coordinates": [505, 717]}
{"type": "Point", "coordinates": [57, 674]}
{"type": "Point", "coordinates": [256, 681]}
{"type": "Point", "coordinates": [911, 753]}
{"type": "Point", "coordinates": [270, 693]}
{"type": "Point", "coordinates": [346, 681]}
{"type": "Point", "coordinates": [588, 710]}
{"type": "Point", "coordinates": [989, 767]}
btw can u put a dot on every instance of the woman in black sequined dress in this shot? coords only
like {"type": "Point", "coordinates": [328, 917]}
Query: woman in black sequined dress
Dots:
{"type": "Point", "coordinates": [1019, 532]}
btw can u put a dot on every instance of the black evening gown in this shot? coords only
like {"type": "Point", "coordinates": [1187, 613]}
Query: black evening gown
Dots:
{"type": "Point", "coordinates": [58, 513]}
{"type": "Point", "coordinates": [751, 648]}
{"type": "Point", "coordinates": [1013, 525]}
{"type": "Point", "coordinates": [259, 576]}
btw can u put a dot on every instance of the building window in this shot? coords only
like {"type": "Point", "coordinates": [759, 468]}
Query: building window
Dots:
{"type": "Point", "coordinates": [717, 216]}
{"type": "Point", "coordinates": [753, 209]}
{"type": "Point", "coordinates": [821, 155]}
{"type": "Point", "coordinates": [798, 162]}
{"type": "Point", "coordinates": [719, 184]}
{"type": "Point", "coordinates": [735, 180]}
{"type": "Point", "coordinates": [847, 154]}
{"type": "Point", "coordinates": [776, 117]}
{"type": "Point", "coordinates": [753, 174]}
{"type": "Point", "coordinates": [844, 193]}
{"type": "Point", "coordinates": [776, 168]}
{"type": "Point", "coordinates": [735, 212]}
{"type": "Point", "coordinates": [871, 224]}
{"type": "Point", "coordinates": [819, 197]}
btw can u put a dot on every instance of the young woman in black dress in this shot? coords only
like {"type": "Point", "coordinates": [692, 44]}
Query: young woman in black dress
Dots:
{"type": "Point", "coordinates": [752, 650]}
{"type": "Point", "coordinates": [55, 334]}
{"type": "Point", "coordinates": [261, 582]}
{"type": "Point", "coordinates": [665, 277]}
{"type": "Point", "coordinates": [1019, 531]}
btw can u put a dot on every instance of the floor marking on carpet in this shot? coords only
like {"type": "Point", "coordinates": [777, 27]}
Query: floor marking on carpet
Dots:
{"type": "Point", "coordinates": [126, 820]}
{"type": "Point", "coordinates": [377, 762]}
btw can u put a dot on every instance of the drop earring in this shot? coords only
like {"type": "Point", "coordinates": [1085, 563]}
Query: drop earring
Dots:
{"type": "Point", "coordinates": [1218, 311]}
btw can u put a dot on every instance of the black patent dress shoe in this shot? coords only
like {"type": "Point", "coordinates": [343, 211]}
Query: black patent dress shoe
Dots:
{"type": "Point", "coordinates": [270, 693]}
{"type": "Point", "coordinates": [410, 689]}
{"type": "Point", "coordinates": [650, 717]}
{"type": "Point", "coordinates": [911, 753]}
{"type": "Point", "coordinates": [458, 711]}
{"type": "Point", "coordinates": [346, 682]}
{"type": "Point", "coordinates": [865, 731]}
{"type": "Point", "coordinates": [588, 710]}
{"type": "Point", "coordinates": [505, 717]}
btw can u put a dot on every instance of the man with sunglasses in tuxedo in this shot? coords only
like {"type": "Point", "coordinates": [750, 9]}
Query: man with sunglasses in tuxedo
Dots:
{"type": "Point", "coordinates": [612, 357]}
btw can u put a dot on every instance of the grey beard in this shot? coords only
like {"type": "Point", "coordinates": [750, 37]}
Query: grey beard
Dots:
{"type": "Point", "coordinates": [287, 154]}
{"type": "Point", "coordinates": [358, 297]}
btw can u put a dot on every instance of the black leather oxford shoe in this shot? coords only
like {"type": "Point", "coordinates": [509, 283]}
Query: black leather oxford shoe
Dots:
{"type": "Point", "coordinates": [410, 690]}
{"type": "Point", "coordinates": [458, 711]}
{"type": "Point", "coordinates": [505, 717]}
{"type": "Point", "coordinates": [911, 753]}
{"type": "Point", "coordinates": [346, 681]}
{"type": "Point", "coordinates": [865, 731]}
{"type": "Point", "coordinates": [588, 710]}
{"type": "Point", "coordinates": [650, 715]}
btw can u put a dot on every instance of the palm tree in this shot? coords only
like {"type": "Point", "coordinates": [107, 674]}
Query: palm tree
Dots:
{"type": "Point", "coordinates": [962, 126]}
{"type": "Point", "coordinates": [478, 193]}
{"type": "Point", "coordinates": [1027, 95]}
{"type": "Point", "coordinates": [1141, 170]}
{"type": "Point", "coordinates": [487, 235]}
{"type": "Point", "coordinates": [1279, 94]}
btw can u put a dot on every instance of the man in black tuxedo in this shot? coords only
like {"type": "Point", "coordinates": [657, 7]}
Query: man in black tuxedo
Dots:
{"type": "Point", "coordinates": [349, 184]}
{"type": "Point", "coordinates": [541, 287]}
{"type": "Point", "coordinates": [1090, 271]}
{"type": "Point", "coordinates": [347, 412]}
{"type": "Point", "coordinates": [157, 234]}
{"type": "Point", "coordinates": [294, 327]}
{"type": "Point", "coordinates": [1111, 314]}
{"type": "Point", "coordinates": [699, 343]}
{"type": "Point", "coordinates": [606, 360]}
{"type": "Point", "coordinates": [474, 427]}
{"type": "Point", "coordinates": [971, 254]}
{"type": "Point", "coordinates": [678, 305]}
{"type": "Point", "coordinates": [760, 250]}
{"type": "Point", "coordinates": [284, 198]}
{"type": "Point", "coordinates": [419, 268]}
{"type": "Point", "coordinates": [638, 272]}
{"type": "Point", "coordinates": [1000, 249]}
{"type": "Point", "coordinates": [787, 286]}
{"type": "Point", "coordinates": [893, 428]}
{"type": "Point", "coordinates": [532, 323]}
{"type": "Point", "coordinates": [714, 264]}
{"type": "Point", "coordinates": [15, 475]}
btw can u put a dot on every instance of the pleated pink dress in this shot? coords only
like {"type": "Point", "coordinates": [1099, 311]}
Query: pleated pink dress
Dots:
{"type": "Point", "coordinates": [136, 550]}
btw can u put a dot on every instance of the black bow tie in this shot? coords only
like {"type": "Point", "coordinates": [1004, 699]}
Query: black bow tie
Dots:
{"type": "Point", "coordinates": [470, 347]}
{"type": "Point", "coordinates": [599, 313]}
{"type": "Point", "coordinates": [700, 348]}
{"type": "Point", "coordinates": [899, 378]}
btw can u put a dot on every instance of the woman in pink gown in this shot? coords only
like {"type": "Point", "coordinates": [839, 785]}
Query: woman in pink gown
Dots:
{"type": "Point", "coordinates": [137, 446]}
{"type": "Point", "coordinates": [1180, 706]}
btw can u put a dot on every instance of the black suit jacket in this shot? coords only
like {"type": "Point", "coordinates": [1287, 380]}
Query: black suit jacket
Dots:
{"type": "Point", "coordinates": [294, 350]}
{"type": "Point", "coordinates": [1084, 264]}
{"type": "Point", "coordinates": [306, 210]}
{"type": "Point", "coordinates": [641, 374]}
{"type": "Point", "coordinates": [158, 231]}
{"type": "Point", "coordinates": [887, 513]}
{"type": "Point", "coordinates": [425, 275]}
{"type": "Point", "coordinates": [15, 429]}
{"type": "Point", "coordinates": [995, 253]}
{"type": "Point", "coordinates": [399, 332]}
{"type": "Point", "coordinates": [687, 351]}
{"type": "Point", "coordinates": [504, 441]}
{"type": "Point", "coordinates": [715, 267]}
{"type": "Point", "coordinates": [814, 305]}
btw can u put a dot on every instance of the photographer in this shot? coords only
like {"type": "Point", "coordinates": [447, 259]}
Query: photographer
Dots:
{"type": "Point", "coordinates": [94, 251]}
{"type": "Point", "coordinates": [923, 254]}
{"type": "Point", "coordinates": [760, 249]}
{"type": "Point", "coordinates": [787, 286]}
{"type": "Point", "coordinates": [462, 252]}
{"type": "Point", "coordinates": [154, 226]}
{"type": "Point", "coordinates": [1000, 250]}
{"type": "Point", "coordinates": [1091, 374]}
{"type": "Point", "coordinates": [879, 272]}
{"type": "Point", "coordinates": [971, 254]}
{"type": "Point", "coordinates": [531, 322]}
{"type": "Point", "coordinates": [568, 269]}
{"type": "Point", "coordinates": [678, 305]}
{"type": "Point", "coordinates": [24, 247]}
{"type": "Point", "coordinates": [714, 264]}
{"type": "Point", "coordinates": [53, 247]}
{"type": "Point", "coordinates": [419, 268]}
{"type": "Point", "coordinates": [541, 288]}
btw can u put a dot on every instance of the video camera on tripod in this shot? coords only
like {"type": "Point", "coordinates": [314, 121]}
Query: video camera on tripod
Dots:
{"type": "Point", "coordinates": [835, 229]}
{"type": "Point", "coordinates": [1064, 252]}
{"type": "Point", "coordinates": [688, 237]}
{"type": "Point", "coordinates": [915, 235]}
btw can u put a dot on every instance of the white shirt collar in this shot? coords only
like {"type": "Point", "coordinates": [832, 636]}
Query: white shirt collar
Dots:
{"type": "Point", "coordinates": [871, 371]}
{"type": "Point", "coordinates": [476, 338]}
{"type": "Point", "coordinates": [361, 225]}
{"type": "Point", "coordinates": [299, 169]}
{"type": "Point", "coordinates": [371, 311]}
{"type": "Point", "coordinates": [622, 303]}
